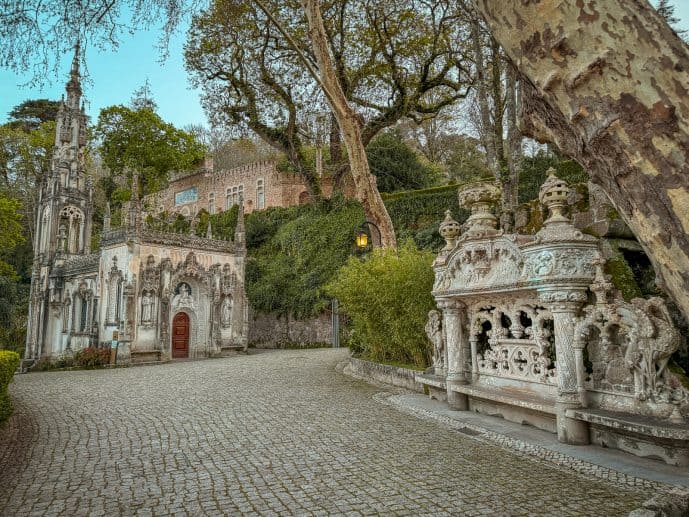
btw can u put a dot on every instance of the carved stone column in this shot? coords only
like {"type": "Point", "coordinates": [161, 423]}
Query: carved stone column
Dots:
{"type": "Point", "coordinates": [453, 318]}
{"type": "Point", "coordinates": [564, 304]}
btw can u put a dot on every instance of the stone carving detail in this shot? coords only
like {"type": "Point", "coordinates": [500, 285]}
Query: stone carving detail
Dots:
{"type": "Point", "coordinates": [531, 323]}
{"type": "Point", "coordinates": [481, 264]}
{"type": "Point", "coordinates": [479, 197]}
{"type": "Point", "coordinates": [183, 298]}
{"type": "Point", "coordinates": [449, 230]}
{"type": "Point", "coordinates": [434, 331]}
{"type": "Point", "coordinates": [630, 344]}
{"type": "Point", "coordinates": [147, 302]}
{"type": "Point", "coordinates": [114, 293]}
{"type": "Point", "coordinates": [226, 312]}
{"type": "Point", "coordinates": [518, 342]}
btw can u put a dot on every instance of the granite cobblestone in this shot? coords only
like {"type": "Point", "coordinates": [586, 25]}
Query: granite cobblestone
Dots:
{"type": "Point", "coordinates": [274, 433]}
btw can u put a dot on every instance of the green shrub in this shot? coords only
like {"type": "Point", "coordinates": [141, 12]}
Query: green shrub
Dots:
{"type": "Point", "coordinates": [92, 357]}
{"type": "Point", "coordinates": [388, 296]}
{"type": "Point", "coordinates": [8, 365]}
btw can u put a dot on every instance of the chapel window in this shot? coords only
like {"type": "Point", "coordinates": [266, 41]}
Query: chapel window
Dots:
{"type": "Point", "coordinates": [260, 194]}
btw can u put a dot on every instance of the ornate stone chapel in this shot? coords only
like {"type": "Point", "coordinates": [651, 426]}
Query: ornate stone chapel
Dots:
{"type": "Point", "coordinates": [161, 295]}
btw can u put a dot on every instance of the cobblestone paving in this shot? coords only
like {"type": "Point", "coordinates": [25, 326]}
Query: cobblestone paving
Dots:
{"type": "Point", "coordinates": [271, 433]}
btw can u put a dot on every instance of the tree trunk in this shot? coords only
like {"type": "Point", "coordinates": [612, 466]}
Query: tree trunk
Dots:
{"type": "Point", "coordinates": [486, 133]}
{"type": "Point", "coordinates": [514, 148]}
{"type": "Point", "coordinates": [607, 83]}
{"type": "Point", "coordinates": [348, 120]}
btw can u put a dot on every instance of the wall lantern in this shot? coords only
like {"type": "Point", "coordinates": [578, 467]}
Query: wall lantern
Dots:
{"type": "Point", "coordinates": [361, 239]}
{"type": "Point", "coordinates": [363, 236]}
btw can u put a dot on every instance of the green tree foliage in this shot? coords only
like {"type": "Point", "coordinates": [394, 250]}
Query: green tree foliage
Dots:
{"type": "Point", "coordinates": [465, 161]}
{"type": "Point", "coordinates": [25, 155]}
{"type": "Point", "coordinates": [9, 361]}
{"type": "Point", "coordinates": [141, 140]}
{"type": "Point", "coordinates": [393, 59]}
{"type": "Point", "coordinates": [388, 296]}
{"type": "Point", "coordinates": [10, 230]}
{"type": "Point", "coordinates": [30, 114]}
{"type": "Point", "coordinates": [396, 165]}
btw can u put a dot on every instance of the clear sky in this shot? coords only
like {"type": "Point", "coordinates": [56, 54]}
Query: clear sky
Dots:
{"type": "Point", "coordinates": [116, 74]}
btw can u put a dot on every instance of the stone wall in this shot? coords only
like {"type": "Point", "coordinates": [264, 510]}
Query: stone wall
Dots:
{"type": "Point", "coordinates": [215, 189]}
{"type": "Point", "coordinates": [270, 331]}
{"type": "Point", "coordinates": [387, 374]}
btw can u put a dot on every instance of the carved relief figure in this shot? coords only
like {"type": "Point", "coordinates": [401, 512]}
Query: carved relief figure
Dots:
{"type": "Point", "coordinates": [652, 340]}
{"type": "Point", "coordinates": [226, 311]}
{"type": "Point", "coordinates": [434, 332]}
{"type": "Point", "coordinates": [183, 297]}
{"type": "Point", "coordinates": [147, 307]}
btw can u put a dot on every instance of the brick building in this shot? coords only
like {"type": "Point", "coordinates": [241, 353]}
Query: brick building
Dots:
{"type": "Point", "coordinates": [260, 185]}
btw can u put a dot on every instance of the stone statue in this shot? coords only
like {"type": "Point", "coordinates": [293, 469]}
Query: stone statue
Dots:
{"type": "Point", "coordinates": [146, 307]}
{"type": "Point", "coordinates": [434, 332]}
{"type": "Point", "coordinates": [226, 310]}
{"type": "Point", "coordinates": [652, 340]}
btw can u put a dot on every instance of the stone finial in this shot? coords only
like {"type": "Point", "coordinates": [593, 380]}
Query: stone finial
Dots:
{"type": "Point", "coordinates": [479, 197]}
{"type": "Point", "coordinates": [449, 230]}
{"type": "Point", "coordinates": [601, 286]}
{"type": "Point", "coordinates": [553, 195]}
{"type": "Point", "coordinates": [557, 227]}
{"type": "Point", "coordinates": [209, 231]}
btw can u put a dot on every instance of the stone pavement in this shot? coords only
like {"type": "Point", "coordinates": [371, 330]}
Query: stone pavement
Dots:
{"type": "Point", "coordinates": [269, 433]}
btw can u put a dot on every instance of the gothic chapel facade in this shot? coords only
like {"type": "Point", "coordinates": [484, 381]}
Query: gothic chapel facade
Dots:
{"type": "Point", "coordinates": [162, 295]}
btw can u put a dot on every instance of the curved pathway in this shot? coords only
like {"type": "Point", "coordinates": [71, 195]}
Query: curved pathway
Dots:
{"type": "Point", "coordinates": [269, 433]}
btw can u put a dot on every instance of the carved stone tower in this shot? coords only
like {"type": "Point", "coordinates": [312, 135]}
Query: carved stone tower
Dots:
{"type": "Point", "coordinates": [64, 211]}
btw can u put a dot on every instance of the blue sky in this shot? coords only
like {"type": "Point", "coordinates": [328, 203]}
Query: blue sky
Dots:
{"type": "Point", "coordinates": [116, 74]}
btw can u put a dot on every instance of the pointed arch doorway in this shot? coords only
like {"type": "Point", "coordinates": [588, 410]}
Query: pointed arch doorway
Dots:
{"type": "Point", "coordinates": [180, 335]}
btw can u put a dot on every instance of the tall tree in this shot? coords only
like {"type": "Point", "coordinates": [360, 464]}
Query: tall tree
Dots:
{"type": "Point", "coordinates": [255, 67]}
{"type": "Point", "coordinates": [140, 139]}
{"type": "Point", "coordinates": [606, 83]}
{"type": "Point", "coordinates": [30, 114]}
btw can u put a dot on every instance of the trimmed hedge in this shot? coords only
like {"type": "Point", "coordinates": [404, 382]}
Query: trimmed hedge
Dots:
{"type": "Point", "coordinates": [417, 214]}
{"type": "Point", "coordinates": [9, 361]}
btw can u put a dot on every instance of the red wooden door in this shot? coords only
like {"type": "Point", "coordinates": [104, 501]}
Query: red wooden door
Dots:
{"type": "Point", "coordinates": [180, 335]}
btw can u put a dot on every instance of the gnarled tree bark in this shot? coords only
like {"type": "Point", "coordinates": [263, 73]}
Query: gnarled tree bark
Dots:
{"type": "Point", "coordinates": [607, 83]}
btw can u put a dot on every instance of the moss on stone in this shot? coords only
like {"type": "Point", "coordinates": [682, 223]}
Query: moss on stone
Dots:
{"type": "Point", "coordinates": [588, 230]}
{"type": "Point", "coordinates": [679, 373]}
{"type": "Point", "coordinates": [622, 277]}
{"type": "Point", "coordinates": [612, 214]}
{"type": "Point", "coordinates": [582, 190]}
{"type": "Point", "coordinates": [535, 218]}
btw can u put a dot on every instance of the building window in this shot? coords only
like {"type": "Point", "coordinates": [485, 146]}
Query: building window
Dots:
{"type": "Point", "coordinates": [240, 194]}
{"type": "Point", "coordinates": [260, 194]}
{"type": "Point", "coordinates": [211, 203]}
{"type": "Point", "coordinates": [228, 198]}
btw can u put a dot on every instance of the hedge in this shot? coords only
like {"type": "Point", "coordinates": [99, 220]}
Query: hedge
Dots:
{"type": "Point", "coordinates": [9, 361]}
{"type": "Point", "coordinates": [387, 296]}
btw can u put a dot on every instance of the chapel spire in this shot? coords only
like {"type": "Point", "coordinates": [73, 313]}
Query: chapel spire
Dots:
{"type": "Point", "coordinates": [74, 84]}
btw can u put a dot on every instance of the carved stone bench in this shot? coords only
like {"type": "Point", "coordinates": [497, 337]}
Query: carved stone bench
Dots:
{"type": "Point", "coordinates": [511, 404]}
{"type": "Point", "coordinates": [643, 436]}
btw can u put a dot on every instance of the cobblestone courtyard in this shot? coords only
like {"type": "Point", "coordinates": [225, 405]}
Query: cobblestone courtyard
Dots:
{"type": "Point", "coordinates": [269, 433]}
